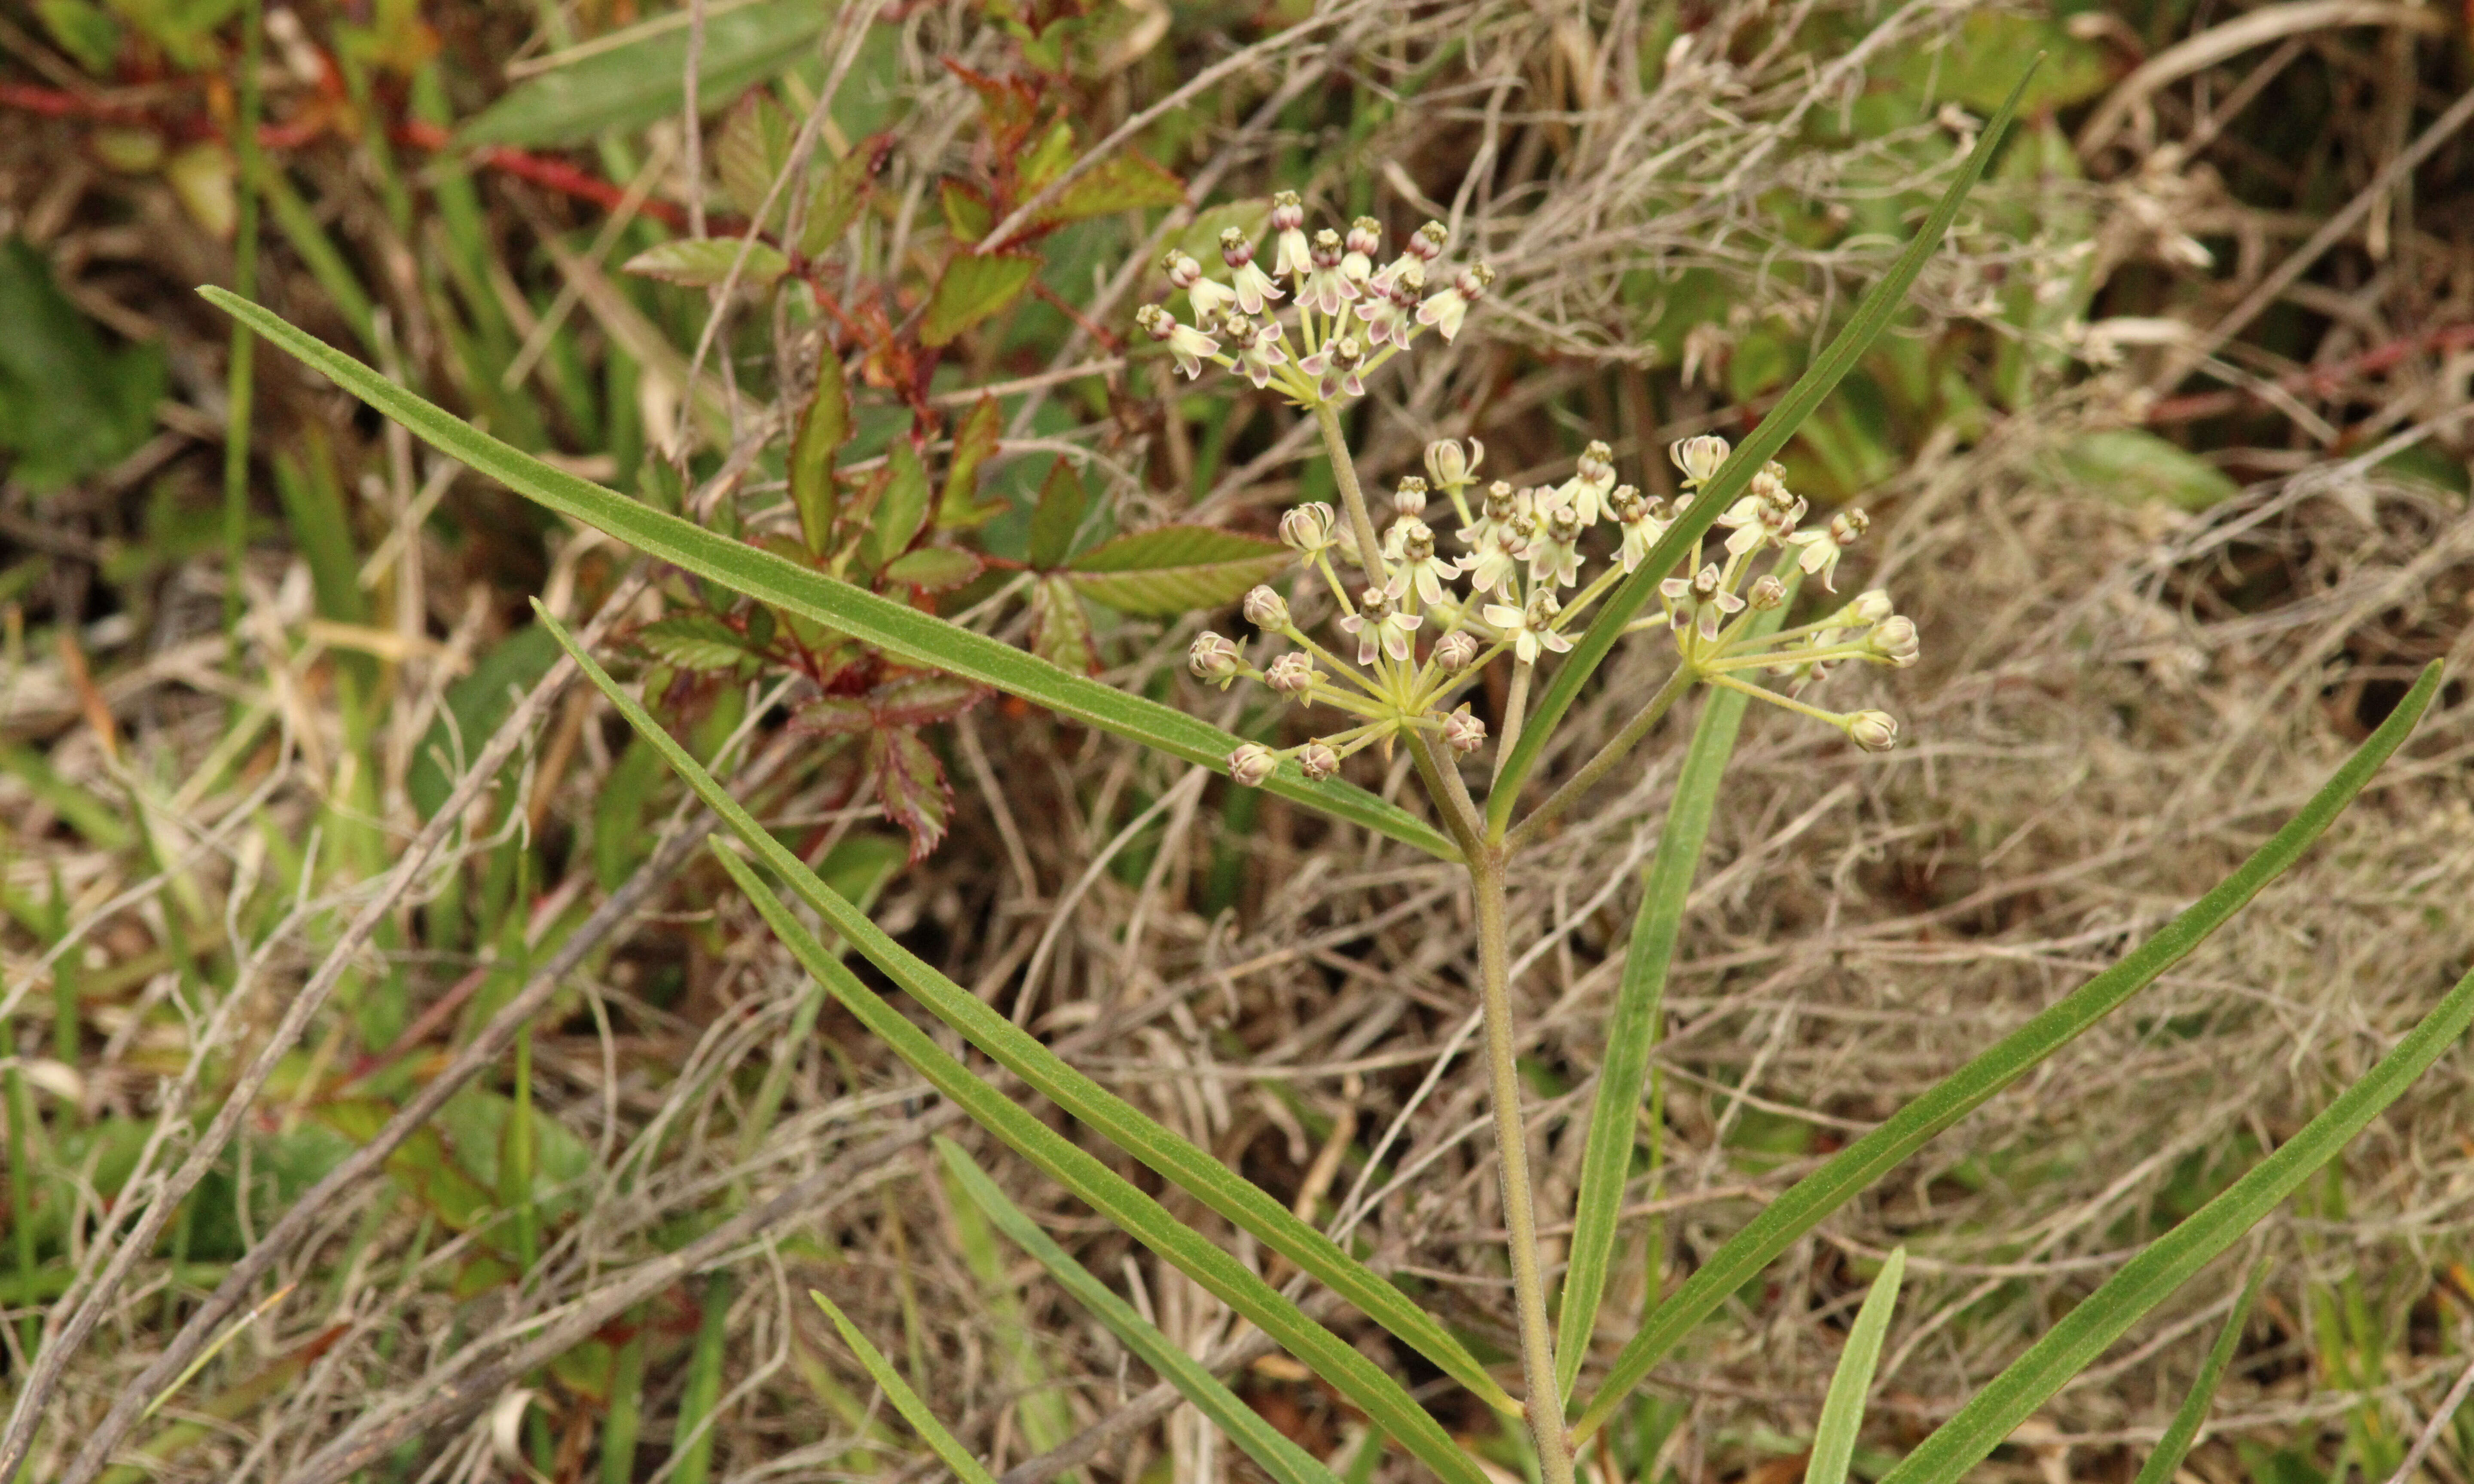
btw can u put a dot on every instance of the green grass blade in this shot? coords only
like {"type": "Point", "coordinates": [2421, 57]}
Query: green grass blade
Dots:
{"type": "Point", "coordinates": [1860, 1164]}
{"type": "Point", "coordinates": [2167, 1459]}
{"type": "Point", "coordinates": [1271, 1449]}
{"type": "Point", "coordinates": [896, 627]}
{"type": "Point", "coordinates": [691, 1436]}
{"type": "Point", "coordinates": [2173, 1259]}
{"type": "Point", "coordinates": [1842, 1411]}
{"type": "Point", "coordinates": [1606, 1161]}
{"type": "Point", "coordinates": [1331, 1357]}
{"type": "Point", "coordinates": [905, 1400]}
{"type": "Point", "coordinates": [1873, 315]}
{"type": "Point", "coordinates": [1191, 1168]}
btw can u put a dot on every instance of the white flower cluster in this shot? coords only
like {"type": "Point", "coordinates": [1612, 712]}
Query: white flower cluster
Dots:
{"type": "Point", "coordinates": [1350, 315]}
{"type": "Point", "coordinates": [1420, 626]}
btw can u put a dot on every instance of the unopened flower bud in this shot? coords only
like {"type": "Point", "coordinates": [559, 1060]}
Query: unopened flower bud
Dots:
{"type": "Point", "coordinates": [1849, 526]}
{"type": "Point", "coordinates": [1181, 269]}
{"type": "Point", "coordinates": [1365, 236]}
{"type": "Point", "coordinates": [1212, 659]}
{"type": "Point", "coordinates": [1875, 732]}
{"type": "Point", "coordinates": [1700, 457]}
{"type": "Point", "coordinates": [1428, 242]}
{"type": "Point", "coordinates": [1449, 465]}
{"type": "Point", "coordinates": [1234, 250]}
{"type": "Point", "coordinates": [1251, 765]}
{"type": "Point", "coordinates": [1474, 281]}
{"type": "Point", "coordinates": [1870, 607]}
{"type": "Point", "coordinates": [1288, 211]}
{"type": "Point", "coordinates": [1292, 675]}
{"type": "Point", "coordinates": [1894, 637]}
{"type": "Point", "coordinates": [1463, 732]}
{"type": "Point", "coordinates": [1267, 609]}
{"type": "Point", "coordinates": [1767, 592]}
{"type": "Point", "coordinates": [1454, 651]}
{"type": "Point", "coordinates": [1308, 528]}
{"type": "Point", "coordinates": [1317, 761]}
{"type": "Point", "coordinates": [1409, 499]}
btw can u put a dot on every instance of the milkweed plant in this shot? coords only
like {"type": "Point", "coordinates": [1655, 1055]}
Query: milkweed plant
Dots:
{"type": "Point", "coordinates": [1400, 606]}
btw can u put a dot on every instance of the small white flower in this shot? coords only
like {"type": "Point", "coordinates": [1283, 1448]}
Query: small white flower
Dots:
{"type": "Point", "coordinates": [1358, 249]}
{"type": "Point", "coordinates": [1381, 627]}
{"type": "Point", "coordinates": [1288, 230]}
{"type": "Point", "coordinates": [1184, 341]}
{"type": "Point", "coordinates": [1643, 523]}
{"type": "Point", "coordinates": [1447, 310]}
{"type": "Point", "coordinates": [1207, 297]}
{"type": "Point", "coordinates": [1253, 764]}
{"type": "Point", "coordinates": [1317, 761]}
{"type": "Point", "coordinates": [1586, 492]}
{"type": "Point", "coordinates": [1767, 592]}
{"type": "Point", "coordinates": [1894, 639]}
{"type": "Point", "coordinates": [1259, 346]}
{"type": "Point", "coordinates": [1335, 367]}
{"type": "Point", "coordinates": [1326, 287]}
{"type": "Point", "coordinates": [1823, 548]}
{"type": "Point", "coordinates": [1451, 467]}
{"type": "Point", "coordinates": [1410, 497]}
{"type": "Point", "coordinates": [1875, 732]}
{"type": "Point", "coordinates": [1700, 457]}
{"type": "Point", "coordinates": [1555, 557]}
{"type": "Point", "coordinates": [1254, 287]}
{"type": "Point", "coordinates": [1389, 310]}
{"type": "Point", "coordinates": [1267, 609]}
{"type": "Point", "coordinates": [1871, 607]}
{"type": "Point", "coordinates": [1410, 543]}
{"type": "Point", "coordinates": [1308, 528]}
{"type": "Point", "coordinates": [1530, 629]}
{"type": "Point", "coordinates": [1213, 659]}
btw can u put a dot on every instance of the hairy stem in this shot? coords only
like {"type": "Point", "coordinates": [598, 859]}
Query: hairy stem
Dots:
{"type": "Point", "coordinates": [1344, 473]}
{"type": "Point", "coordinates": [1602, 761]}
{"type": "Point", "coordinates": [1544, 1400]}
{"type": "Point", "coordinates": [1516, 713]}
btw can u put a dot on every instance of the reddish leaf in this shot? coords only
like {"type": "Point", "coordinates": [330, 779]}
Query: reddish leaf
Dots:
{"type": "Point", "coordinates": [835, 717]}
{"type": "Point", "coordinates": [917, 699]}
{"type": "Point", "coordinates": [910, 789]}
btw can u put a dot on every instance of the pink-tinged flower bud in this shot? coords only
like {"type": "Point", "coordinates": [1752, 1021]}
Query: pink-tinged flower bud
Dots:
{"type": "Point", "coordinates": [1365, 237]}
{"type": "Point", "coordinates": [1267, 609]}
{"type": "Point", "coordinates": [1767, 592]}
{"type": "Point", "coordinates": [1409, 500]}
{"type": "Point", "coordinates": [1251, 765]}
{"type": "Point", "coordinates": [1288, 211]}
{"type": "Point", "coordinates": [1870, 607]}
{"type": "Point", "coordinates": [1181, 269]}
{"type": "Point", "coordinates": [1450, 466]}
{"type": "Point", "coordinates": [1700, 457]}
{"type": "Point", "coordinates": [1427, 243]}
{"type": "Point", "coordinates": [1875, 732]}
{"type": "Point", "coordinates": [1455, 651]}
{"type": "Point", "coordinates": [1473, 281]}
{"type": "Point", "coordinates": [1308, 528]}
{"type": "Point", "coordinates": [1234, 250]}
{"type": "Point", "coordinates": [1212, 659]}
{"type": "Point", "coordinates": [1292, 675]}
{"type": "Point", "coordinates": [1317, 761]}
{"type": "Point", "coordinates": [1895, 639]}
{"type": "Point", "coordinates": [1849, 526]}
{"type": "Point", "coordinates": [1463, 732]}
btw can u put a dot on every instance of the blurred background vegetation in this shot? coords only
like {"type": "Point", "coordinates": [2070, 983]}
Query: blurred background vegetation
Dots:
{"type": "Point", "coordinates": [2168, 462]}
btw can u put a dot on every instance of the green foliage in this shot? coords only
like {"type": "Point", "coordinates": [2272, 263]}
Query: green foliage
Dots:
{"type": "Point", "coordinates": [69, 405]}
{"type": "Point", "coordinates": [971, 289]}
{"type": "Point", "coordinates": [630, 85]}
{"type": "Point", "coordinates": [2136, 467]}
{"type": "Point", "coordinates": [1842, 1411]}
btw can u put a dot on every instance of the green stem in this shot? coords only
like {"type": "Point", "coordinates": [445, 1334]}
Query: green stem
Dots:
{"type": "Point", "coordinates": [1516, 715]}
{"type": "Point", "coordinates": [1344, 473]}
{"type": "Point", "coordinates": [240, 374]}
{"type": "Point", "coordinates": [1599, 765]}
{"type": "Point", "coordinates": [1544, 1405]}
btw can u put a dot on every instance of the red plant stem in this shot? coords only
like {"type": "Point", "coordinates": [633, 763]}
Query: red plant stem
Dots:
{"type": "Point", "coordinates": [2314, 380]}
{"type": "Point", "coordinates": [541, 169]}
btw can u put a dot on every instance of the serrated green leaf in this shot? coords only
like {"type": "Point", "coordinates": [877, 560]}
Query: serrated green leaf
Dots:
{"type": "Point", "coordinates": [1280, 1458]}
{"type": "Point", "coordinates": [1190, 1168]}
{"type": "Point", "coordinates": [1855, 1167]}
{"type": "Point", "coordinates": [835, 717]}
{"type": "Point", "coordinates": [637, 82]}
{"type": "Point", "coordinates": [702, 262]}
{"type": "Point", "coordinates": [918, 700]}
{"type": "Point", "coordinates": [753, 149]}
{"type": "Point", "coordinates": [823, 428]}
{"type": "Point", "coordinates": [2173, 1259]}
{"type": "Point", "coordinates": [960, 507]}
{"type": "Point", "coordinates": [1123, 182]}
{"type": "Point", "coordinates": [932, 568]}
{"type": "Point", "coordinates": [1060, 627]}
{"type": "Point", "coordinates": [1334, 1359]}
{"type": "Point", "coordinates": [968, 217]}
{"type": "Point", "coordinates": [902, 511]}
{"type": "Point", "coordinates": [693, 641]}
{"type": "Point", "coordinates": [973, 288]}
{"type": "Point", "coordinates": [1047, 159]}
{"type": "Point", "coordinates": [1169, 570]}
{"type": "Point", "coordinates": [1873, 314]}
{"type": "Point", "coordinates": [1842, 1410]}
{"type": "Point", "coordinates": [910, 787]}
{"type": "Point", "coordinates": [836, 202]}
{"type": "Point", "coordinates": [906, 1402]}
{"type": "Point", "coordinates": [797, 591]}
{"type": "Point", "coordinates": [1057, 516]}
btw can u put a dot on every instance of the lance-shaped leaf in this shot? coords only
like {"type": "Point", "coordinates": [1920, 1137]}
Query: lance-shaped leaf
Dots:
{"type": "Point", "coordinates": [1860, 1164]}
{"type": "Point", "coordinates": [1191, 1252]}
{"type": "Point", "coordinates": [1015, 1050]}
{"type": "Point", "coordinates": [960, 505]}
{"type": "Point", "coordinates": [906, 1402]}
{"type": "Point", "coordinates": [1842, 1411]}
{"type": "Point", "coordinates": [1057, 518]}
{"type": "Point", "coordinates": [1283, 1460]}
{"type": "Point", "coordinates": [1873, 315]}
{"type": "Point", "coordinates": [972, 288]}
{"type": "Point", "coordinates": [642, 79]}
{"type": "Point", "coordinates": [1169, 570]}
{"type": "Point", "coordinates": [2173, 1259]}
{"type": "Point", "coordinates": [898, 628]}
{"type": "Point", "coordinates": [702, 262]}
{"type": "Point", "coordinates": [823, 428]}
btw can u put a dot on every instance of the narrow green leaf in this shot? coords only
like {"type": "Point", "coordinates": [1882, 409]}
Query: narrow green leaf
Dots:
{"type": "Point", "coordinates": [2173, 1259]}
{"type": "Point", "coordinates": [898, 628]}
{"type": "Point", "coordinates": [1640, 1002]}
{"type": "Point", "coordinates": [644, 79]}
{"type": "Point", "coordinates": [2166, 1461]}
{"type": "Point", "coordinates": [1168, 570]}
{"type": "Point", "coordinates": [972, 288]}
{"type": "Point", "coordinates": [1057, 516]}
{"type": "Point", "coordinates": [1863, 1162]}
{"type": "Point", "coordinates": [823, 428]}
{"type": "Point", "coordinates": [1842, 1411]}
{"type": "Point", "coordinates": [1271, 1449]}
{"type": "Point", "coordinates": [1113, 1196]}
{"type": "Point", "coordinates": [1193, 1169]}
{"type": "Point", "coordinates": [905, 1400]}
{"type": "Point", "coordinates": [902, 509]}
{"type": "Point", "coordinates": [702, 262]}
{"type": "Point", "coordinates": [1873, 315]}
{"type": "Point", "coordinates": [691, 1434]}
